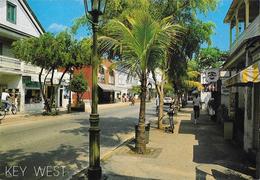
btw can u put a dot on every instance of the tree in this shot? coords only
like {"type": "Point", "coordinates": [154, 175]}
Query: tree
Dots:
{"type": "Point", "coordinates": [138, 39]}
{"type": "Point", "coordinates": [52, 54]}
{"type": "Point", "coordinates": [210, 58]}
{"type": "Point", "coordinates": [79, 85]}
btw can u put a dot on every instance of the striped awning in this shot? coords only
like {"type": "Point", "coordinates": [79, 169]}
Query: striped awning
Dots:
{"type": "Point", "coordinates": [249, 75]}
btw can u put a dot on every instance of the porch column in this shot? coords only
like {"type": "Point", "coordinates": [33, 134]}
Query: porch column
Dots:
{"type": "Point", "coordinates": [230, 35]}
{"type": "Point", "coordinates": [247, 12]}
{"type": "Point", "coordinates": [237, 22]}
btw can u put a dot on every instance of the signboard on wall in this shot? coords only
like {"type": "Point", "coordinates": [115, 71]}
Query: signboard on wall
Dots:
{"type": "Point", "coordinates": [212, 75]}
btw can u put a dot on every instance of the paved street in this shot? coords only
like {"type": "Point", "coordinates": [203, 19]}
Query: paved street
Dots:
{"type": "Point", "coordinates": [62, 140]}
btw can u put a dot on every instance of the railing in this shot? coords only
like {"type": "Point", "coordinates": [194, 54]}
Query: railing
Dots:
{"type": "Point", "coordinates": [10, 63]}
{"type": "Point", "coordinates": [251, 31]}
{"type": "Point", "coordinates": [28, 68]}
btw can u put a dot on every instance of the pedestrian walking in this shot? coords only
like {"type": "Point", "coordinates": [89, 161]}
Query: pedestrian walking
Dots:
{"type": "Point", "coordinates": [170, 114]}
{"type": "Point", "coordinates": [157, 103]}
{"type": "Point", "coordinates": [196, 107]}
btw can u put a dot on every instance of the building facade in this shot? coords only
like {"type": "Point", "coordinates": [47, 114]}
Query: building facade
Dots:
{"type": "Point", "coordinates": [244, 65]}
{"type": "Point", "coordinates": [17, 21]}
{"type": "Point", "coordinates": [114, 85]}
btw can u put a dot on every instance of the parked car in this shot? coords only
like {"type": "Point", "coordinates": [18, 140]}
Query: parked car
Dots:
{"type": "Point", "coordinates": [167, 100]}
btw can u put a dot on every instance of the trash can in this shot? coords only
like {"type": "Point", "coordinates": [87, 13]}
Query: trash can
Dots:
{"type": "Point", "coordinates": [147, 130]}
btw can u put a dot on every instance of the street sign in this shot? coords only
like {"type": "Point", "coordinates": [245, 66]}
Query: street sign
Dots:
{"type": "Point", "coordinates": [212, 75]}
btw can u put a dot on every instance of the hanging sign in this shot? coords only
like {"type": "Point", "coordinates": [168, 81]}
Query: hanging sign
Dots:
{"type": "Point", "coordinates": [212, 75]}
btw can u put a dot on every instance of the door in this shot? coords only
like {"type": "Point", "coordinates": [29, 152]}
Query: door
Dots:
{"type": "Point", "coordinates": [256, 115]}
{"type": "Point", "coordinates": [61, 95]}
{"type": "Point", "coordinates": [257, 127]}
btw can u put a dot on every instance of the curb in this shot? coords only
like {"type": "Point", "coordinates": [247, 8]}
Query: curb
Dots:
{"type": "Point", "coordinates": [15, 119]}
{"type": "Point", "coordinates": [110, 153]}
{"type": "Point", "coordinates": [81, 174]}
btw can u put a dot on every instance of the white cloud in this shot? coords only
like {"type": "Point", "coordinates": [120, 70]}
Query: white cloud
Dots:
{"type": "Point", "coordinates": [54, 27]}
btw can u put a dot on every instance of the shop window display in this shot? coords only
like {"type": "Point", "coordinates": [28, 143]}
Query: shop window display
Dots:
{"type": "Point", "coordinates": [33, 96]}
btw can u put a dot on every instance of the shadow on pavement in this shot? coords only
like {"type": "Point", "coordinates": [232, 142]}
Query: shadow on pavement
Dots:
{"type": "Point", "coordinates": [12, 161]}
{"type": "Point", "coordinates": [65, 155]}
{"type": "Point", "coordinates": [112, 176]}
{"type": "Point", "coordinates": [212, 150]}
{"type": "Point", "coordinates": [110, 127]}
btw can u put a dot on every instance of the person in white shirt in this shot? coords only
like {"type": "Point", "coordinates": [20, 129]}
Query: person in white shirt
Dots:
{"type": "Point", "coordinates": [196, 107]}
{"type": "Point", "coordinates": [4, 98]}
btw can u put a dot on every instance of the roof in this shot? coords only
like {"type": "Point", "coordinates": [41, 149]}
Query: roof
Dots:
{"type": "Point", "coordinates": [245, 44]}
{"type": "Point", "coordinates": [231, 10]}
{"type": "Point", "coordinates": [33, 15]}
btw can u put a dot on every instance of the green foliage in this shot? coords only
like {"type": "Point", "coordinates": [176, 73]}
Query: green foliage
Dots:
{"type": "Point", "coordinates": [210, 58]}
{"type": "Point", "coordinates": [168, 89]}
{"type": "Point", "coordinates": [49, 51]}
{"type": "Point", "coordinates": [53, 53]}
{"type": "Point", "coordinates": [78, 83]}
{"type": "Point", "coordinates": [181, 9]}
{"type": "Point", "coordinates": [136, 90]}
{"type": "Point", "coordinates": [138, 40]}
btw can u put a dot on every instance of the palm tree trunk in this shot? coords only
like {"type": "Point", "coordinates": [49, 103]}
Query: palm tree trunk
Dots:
{"type": "Point", "coordinates": [160, 92]}
{"type": "Point", "coordinates": [140, 139]}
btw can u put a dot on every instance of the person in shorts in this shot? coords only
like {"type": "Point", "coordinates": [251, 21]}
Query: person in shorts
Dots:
{"type": "Point", "coordinates": [196, 107]}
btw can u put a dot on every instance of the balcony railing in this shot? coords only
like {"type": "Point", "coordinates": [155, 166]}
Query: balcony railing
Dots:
{"type": "Point", "coordinates": [15, 65]}
{"type": "Point", "coordinates": [10, 64]}
{"type": "Point", "coordinates": [251, 31]}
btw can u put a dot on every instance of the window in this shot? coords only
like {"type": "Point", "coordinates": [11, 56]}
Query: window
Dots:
{"type": "Point", "coordinates": [11, 12]}
{"type": "Point", "coordinates": [111, 77]}
{"type": "Point", "coordinates": [32, 96]}
{"type": "Point", "coordinates": [101, 75]}
{"type": "Point", "coordinates": [101, 70]}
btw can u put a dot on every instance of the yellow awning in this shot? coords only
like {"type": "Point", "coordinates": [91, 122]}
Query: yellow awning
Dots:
{"type": "Point", "coordinates": [249, 75]}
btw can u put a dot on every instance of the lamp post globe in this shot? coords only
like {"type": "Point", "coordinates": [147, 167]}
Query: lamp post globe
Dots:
{"type": "Point", "coordinates": [95, 8]}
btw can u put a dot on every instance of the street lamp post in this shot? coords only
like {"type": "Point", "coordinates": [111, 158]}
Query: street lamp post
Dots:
{"type": "Point", "coordinates": [95, 8]}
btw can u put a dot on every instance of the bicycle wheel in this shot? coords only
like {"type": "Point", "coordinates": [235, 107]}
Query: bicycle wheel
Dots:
{"type": "Point", "coordinates": [2, 114]}
{"type": "Point", "coordinates": [13, 109]}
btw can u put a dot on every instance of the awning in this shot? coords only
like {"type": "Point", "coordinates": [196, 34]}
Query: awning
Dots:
{"type": "Point", "coordinates": [249, 75]}
{"type": "Point", "coordinates": [108, 87]}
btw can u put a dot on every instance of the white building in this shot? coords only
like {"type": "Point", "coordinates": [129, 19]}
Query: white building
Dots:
{"type": "Point", "coordinates": [124, 83]}
{"type": "Point", "coordinates": [18, 21]}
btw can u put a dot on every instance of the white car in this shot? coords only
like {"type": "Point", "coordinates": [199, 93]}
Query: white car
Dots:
{"type": "Point", "coordinates": [167, 100]}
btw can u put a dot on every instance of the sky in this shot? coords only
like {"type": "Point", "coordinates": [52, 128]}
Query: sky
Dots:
{"type": "Point", "coordinates": [57, 15]}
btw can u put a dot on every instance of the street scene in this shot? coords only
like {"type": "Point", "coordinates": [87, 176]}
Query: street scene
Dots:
{"type": "Point", "coordinates": [129, 89]}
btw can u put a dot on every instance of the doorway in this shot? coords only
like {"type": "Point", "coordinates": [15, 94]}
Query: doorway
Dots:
{"type": "Point", "coordinates": [61, 95]}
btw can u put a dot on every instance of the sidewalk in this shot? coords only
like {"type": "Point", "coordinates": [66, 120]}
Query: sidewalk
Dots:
{"type": "Point", "coordinates": [192, 152]}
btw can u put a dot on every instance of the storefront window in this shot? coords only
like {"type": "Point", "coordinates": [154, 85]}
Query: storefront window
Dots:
{"type": "Point", "coordinates": [32, 96]}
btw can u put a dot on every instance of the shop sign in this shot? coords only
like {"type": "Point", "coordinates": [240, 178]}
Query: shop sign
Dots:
{"type": "Point", "coordinates": [32, 84]}
{"type": "Point", "coordinates": [212, 75]}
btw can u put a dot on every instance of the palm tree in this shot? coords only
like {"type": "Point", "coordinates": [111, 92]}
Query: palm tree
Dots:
{"type": "Point", "coordinates": [139, 38]}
